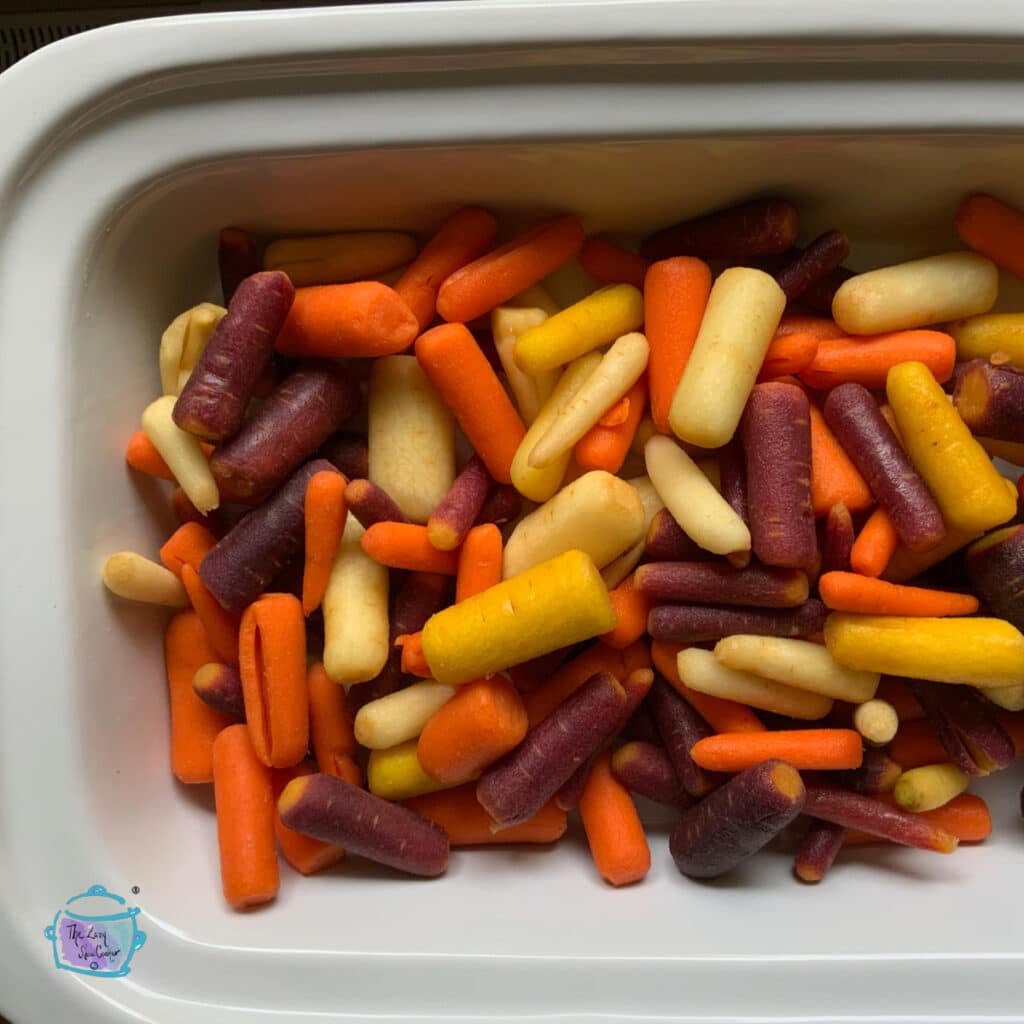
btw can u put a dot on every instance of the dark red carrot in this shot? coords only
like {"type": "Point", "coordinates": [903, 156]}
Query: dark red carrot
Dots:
{"type": "Point", "coordinates": [715, 583]}
{"type": "Point", "coordinates": [220, 686]}
{"type": "Point", "coordinates": [236, 258]}
{"type": "Point", "coordinates": [647, 770]}
{"type": "Point", "coordinates": [666, 541]}
{"type": "Point", "coordinates": [452, 519]}
{"type": "Point", "coordinates": [349, 454]}
{"type": "Point", "coordinates": [813, 264]}
{"type": "Point", "coordinates": [995, 565]}
{"type": "Point", "coordinates": [680, 727]}
{"type": "Point", "coordinates": [839, 540]}
{"type": "Point", "coordinates": [213, 401]}
{"type": "Point", "coordinates": [694, 624]}
{"type": "Point", "coordinates": [737, 819]}
{"type": "Point", "coordinates": [818, 849]}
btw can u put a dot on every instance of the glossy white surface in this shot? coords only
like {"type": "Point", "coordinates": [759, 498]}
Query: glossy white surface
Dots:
{"type": "Point", "coordinates": [110, 200]}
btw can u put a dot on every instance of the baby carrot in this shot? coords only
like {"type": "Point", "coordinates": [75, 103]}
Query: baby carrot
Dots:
{"type": "Point", "coordinates": [186, 546]}
{"type": "Point", "coordinates": [459, 813]}
{"type": "Point", "coordinates": [897, 692]}
{"type": "Point", "coordinates": [966, 816]}
{"type": "Point", "coordinates": [675, 294]}
{"type": "Point", "coordinates": [484, 720]}
{"type": "Point", "coordinates": [812, 749]}
{"type": "Point", "coordinates": [365, 318]}
{"type": "Point", "coordinates": [611, 263]}
{"type": "Point", "coordinates": [788, 353]}
{"type": "Point", "coordinates": [407, 546]}
{"type": "Point", "coordinates": [631, 609]}
{"type": "Point", "coordinates": [834, 477]}
{"type": "Point", "coordinates": [453, 362]}
{"type": "Point", "coordinates": [142, 456]}
{"type": "Point", "coordinates": [614, 832]}
{"type": "Point", "coordinates": [606, 444]}
{"type": "Point", "coordinates": [465, 236]}
{"type": "Point", "coordinates": [541, 701]}
{"type": "Point", "coordinates": [221, 626]}
{"type": "Point", "coordinates": [722, 715]}
{"type": "Point", "coordinates": [868, 360]}
{"type": "Point", "coordinates": [330, 725]}
{"type": "Point", "coordinates": [875, 544]}
{"type": "Point", "coordinates": [194, 724]}
{"type": "Point", "coordinates": [414, 662]}
{"type": "Point", "coordinates": [819, 327]}
{"type": "Point", "coordinates": [850, 592]}
{"type": "Point", "coordinates": [324, 511]}
{"type": "Point", "coordinates": [244, 795]}
{"type": "Point", "coordinates": [917, 743]}
{"type": "Point", "coordinates": [306, 854]}
{"type": "Point", "coordinates": [272, 660]}
{"type": "Point", "coordinates": [479, 561]}
{"type": "Point", "coordinates": [994, 229]}
{"type": "Point", "coordinates": [500, 275]}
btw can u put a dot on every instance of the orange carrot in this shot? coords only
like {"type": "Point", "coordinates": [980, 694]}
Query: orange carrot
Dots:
{"type": "Point", "coordinates": [142, 456]}
{"type": "Point", "coordinates": [994, 229]}
{"type": "Point", "coordinates": [606, 444]}
{"type": "Point", "coordinates": [675, 294]}
{"type": "Point", "coordinates": [414, 662]}
{"type": "Point", "coordinates": [614, 832]}
{"type": "Point", "coordinates": [306, 854]}
{"type": "Point", "coordinates": [611, 263]}
{"type": "Point", "coordinates": [820, 327]}
{"type": "Point", "coordinates": [489, 281]}
{"type": "Point", "coordinates": [635, 657]}
{"type": "Point", "coordinates": [570, 677]}
{"type": "Point", "coordinates": [834, 477]}
{"type": "Point", "coordinates": [365, 318]}
{"type": "Point", "coordinates": [811, 749]}
{"type": "Point", "coordinates": [244, 794]}
{"type": "Point", "coordinates": [916, 743]}
{"type": "Point", "coordinates": [875, 544]}
{"type": "Point", "coordinates": [407, 546]}
{"type": "Point", "coordinates": [1013, 723]}
{"type": "Point", "coordinates": [483, 721]}
{"type": "Point", "coordinates": [895, 691]}
{"type": "Point", "coordinates": [465, 236]}
{"type": "Point", "coordinates": [631, 609]}
{"type": "Point", "coordinates": [848, 592]}
{"type": "Point", "coordinates": [479, 565]}
{"type": "Point", "coordinates": [325, 511]}
{"type": "Point", "coordinates": [221, 626]}
{"type": "Point", "coordinates": [456, 366]}
{"type": "Point", "coordinates": [788, 353]}
{"type": "Point", "coordinates": [186, 546]}
{"type": "Point", "coordinates": [194, 724]}
{"type": "Point", "coordinates": [459, 813]}
{"type": "Point", "coordinates": [272, 662]}
{"type": "Point", "coordinates": [966, 816]}
{"type": "Point", "coordinates": [867, 360]}
{"type": "Point", "coordinates": [330, 727]}
{"type": "Point", "coordinates": [722, 715]}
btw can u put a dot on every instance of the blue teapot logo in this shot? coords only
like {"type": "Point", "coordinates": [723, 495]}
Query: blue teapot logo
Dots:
{"type": "Point", "coordinates": [99, 936]}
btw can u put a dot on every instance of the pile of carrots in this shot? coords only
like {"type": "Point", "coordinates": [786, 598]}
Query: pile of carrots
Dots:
{"type": "Point", "coordinates": [722, 543]}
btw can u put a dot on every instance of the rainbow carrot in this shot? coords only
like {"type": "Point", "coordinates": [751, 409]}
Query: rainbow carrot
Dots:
{"type": "Point", "coordinates": [614, 832]}
{"type": "Point", "coordinates": [483, 721]}
{"type": "Point", "coordinates": [834, 477]}
{"type": "Point", "coordinates": [465, 236]}
{"type": "Point", "coordinates": [479, 561]}
{"type": "Point", "coordinates": [675, 293]}
{"type": "Point", "coordinates": [244, 794]}
{"type": "Point", "coordinates": [611, 263]}
{"type": "Point", "coordinates": [330, 725]}
{"type": "Point", "coordinates": [822, 328]}
{"type": "Point", "coordinates": [788, 354]}
{"type": "Point", "coordinates": [194, 724]}
{"type": "Point", "coordinates": [606, 444]}
{"type": "Point", "coordinates": [570, 677]}
{"type": "Point", "coordinates": [875, 544]}
{"type": "Point", "coordinates": [142, 456]}
{"type": "Point", "coordinates": [272, 660]}
{"type": "Point", "coordinates": [453, 362]}
{"type": "Point", "coordinates": [815, 749]}
{"type": "Point", "coordinates": [632, 607]}
{"type": "Point", "coordinates": [221, 626]}
{"type": "Point", "coordinates": [917, 743]}
{"type": "Point", "coordinates": [186, 546]}
{"type": "Point", "coordinates": [994, 229]}
{"type": "Point", "coordinates": [324, 511]}
{"type": "Point", "coordinates": [850, 592]}
{"type": "Point", "coordinates": [407, 546]}
{"type": "Point", "coordinates": [722, 715]}
{"type": "Point", "coordinates": [478, 287]}
{"type": "Point", "coordinates": [867, 360]}
{"type": "Point", "coordinates": [306, 854]}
